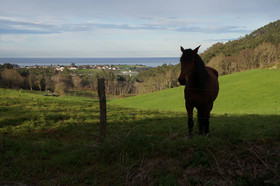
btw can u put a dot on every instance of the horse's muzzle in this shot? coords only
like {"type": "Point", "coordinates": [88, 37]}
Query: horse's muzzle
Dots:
{"type": "Point", "coordinates": [182, 81]}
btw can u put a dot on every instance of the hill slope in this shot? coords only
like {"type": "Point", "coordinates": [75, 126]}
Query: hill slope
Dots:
{"type": "Point", "coordinates": [266, 34]}
{"type": "Point", "coordinates": [249, 92]}
{"type": "Point", "coordinates": [47, 140]}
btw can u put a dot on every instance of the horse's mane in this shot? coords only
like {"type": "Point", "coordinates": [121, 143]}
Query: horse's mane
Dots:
{"type": "Point", "coordinates": [200, 75]}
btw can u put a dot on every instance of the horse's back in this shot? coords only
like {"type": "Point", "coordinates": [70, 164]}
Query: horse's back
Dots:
{"type": "Point", "coordinates": [212, 71]}
{"type": "Point", "coordinates": [213, 83]}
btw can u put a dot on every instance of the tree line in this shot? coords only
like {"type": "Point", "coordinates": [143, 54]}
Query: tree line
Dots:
{"type": "Point", "coordinates": [259, 49]}
{"type": "Point", "coordinates": [49, 79]}
{"type": "Point", "coordinates": [265, 55]}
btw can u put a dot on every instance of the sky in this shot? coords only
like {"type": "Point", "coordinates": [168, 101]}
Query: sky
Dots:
{"type": "Point", "coordinates": [125, 28]}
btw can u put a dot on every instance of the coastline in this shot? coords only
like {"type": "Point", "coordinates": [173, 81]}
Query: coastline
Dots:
{"type": "Point", "coordinates": [146, 61]}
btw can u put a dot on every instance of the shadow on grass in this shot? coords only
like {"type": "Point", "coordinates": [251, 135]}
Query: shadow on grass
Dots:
{"type": "Point", "coordinates": [144, 147]}
{"type": "Point", "coordinates": [226, 127]}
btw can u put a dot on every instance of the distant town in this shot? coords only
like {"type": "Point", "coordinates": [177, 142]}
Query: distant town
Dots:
{"type": "Point", "coordinates": [74, 67]}
{"type": "Point", "coordinates": [119, 69]}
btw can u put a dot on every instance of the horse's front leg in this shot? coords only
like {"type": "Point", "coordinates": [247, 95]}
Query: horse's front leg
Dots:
{"type": "Point", "coordinates": [190, 119]}
{"type": "Point", "coordinates": [203, 119]}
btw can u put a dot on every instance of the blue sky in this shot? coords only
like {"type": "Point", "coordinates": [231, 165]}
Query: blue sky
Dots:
{"type": "Point", "coordinates": [125, 28]}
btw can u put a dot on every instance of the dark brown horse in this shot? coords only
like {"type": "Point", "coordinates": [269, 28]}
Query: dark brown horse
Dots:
{"type": "Point", "coordinates": [201, 89]}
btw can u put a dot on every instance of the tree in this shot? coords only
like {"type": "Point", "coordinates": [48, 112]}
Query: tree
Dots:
{"type": "Point", "coordinates": [77, 82]}
{"type": "Point", "coordinates": [31, 80]}
{"type": "Point", "coordinates": [8, 66]}
{"type": "Point", "coordinates": [61, 83]}
{"type": "Point", "coordinates": [266, 54]}
{"type": "Point", "coordinates": [11, 79]}
{"type": "Point", "coordinates": [40, 81]}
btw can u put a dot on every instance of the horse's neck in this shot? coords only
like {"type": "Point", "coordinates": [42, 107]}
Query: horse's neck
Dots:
{"type": "Point", "coordinates": [199, 79]}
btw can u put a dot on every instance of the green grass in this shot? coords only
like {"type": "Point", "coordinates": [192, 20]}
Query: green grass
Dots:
{"type": "Point", "coordinates": [166, 100]}
{"type": "Point", "coordinates": [249, 92]}
{"type": "Point", "coordinates": [48, 140]}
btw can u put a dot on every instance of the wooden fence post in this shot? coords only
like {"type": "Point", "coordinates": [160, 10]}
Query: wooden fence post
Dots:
{"type": "Point", "coordinates": [102, 100]}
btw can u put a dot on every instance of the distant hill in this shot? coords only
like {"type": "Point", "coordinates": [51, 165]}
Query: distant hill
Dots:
{"type": "Point", "coordinates": [269, 33]}
{"type": "Point", "coordinates": [260, 49]}
{"type": "Point", "coordinates": [250, 92]}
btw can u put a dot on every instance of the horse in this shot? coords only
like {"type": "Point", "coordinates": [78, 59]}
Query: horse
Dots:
{"type": "Point", "coordinates": [201, 89]}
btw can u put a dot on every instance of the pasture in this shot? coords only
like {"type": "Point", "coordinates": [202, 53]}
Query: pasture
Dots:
{"type": "Point", "coordinates": [249, 92]}
{"type": "Point", "coordinates": [48, 140]}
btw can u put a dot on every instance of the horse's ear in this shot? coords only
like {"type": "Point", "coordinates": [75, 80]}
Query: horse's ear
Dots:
{"type": "Point", "coordinates": [182, 49]}
{"type": "Point", "coordinates": [196, 49]}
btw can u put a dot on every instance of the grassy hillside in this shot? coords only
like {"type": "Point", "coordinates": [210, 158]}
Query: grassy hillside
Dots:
{"type": "Point", "coordinates": [53, 141]}
{"type": "Point", "coordinates": [249, 92]}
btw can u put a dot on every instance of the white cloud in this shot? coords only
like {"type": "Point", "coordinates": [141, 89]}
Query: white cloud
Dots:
{"type": "Point", "coordinates": [20, 26]}
{"type": "Point", "coordinates": [92, 28]}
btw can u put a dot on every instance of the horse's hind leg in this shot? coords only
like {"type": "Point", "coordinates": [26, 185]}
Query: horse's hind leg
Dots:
{"type": "Point", "coordinates": [207, 116]}
{"type": "Point", "coordinates": [203, 119]}
{"type": "Point", "coordinates": [190, 125]}
{"type": "Point", "coordinates": [190, 119]}
{"type": "Point", "coordinates": [200, 121]}
{"type": "Point", "coordinates": [206, 127]}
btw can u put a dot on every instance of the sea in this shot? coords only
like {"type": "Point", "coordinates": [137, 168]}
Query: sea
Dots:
{"type": "Point", "coordinates": [146, 61]}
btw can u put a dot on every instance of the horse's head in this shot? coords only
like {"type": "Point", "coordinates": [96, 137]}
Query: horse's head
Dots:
{"type": "Point", "coordinates": [187, 64]}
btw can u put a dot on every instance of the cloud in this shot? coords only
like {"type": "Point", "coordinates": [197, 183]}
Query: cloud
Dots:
{"type": "Point", "coordinates": [24, 31]}
{"type": "Point", "coordinates": [130, 8]}
{"type": "Point", "coordinates": [11, 26]}
{"type": "Point", "coordinates": [176, 15]}
{"type": "Point", "coordinates": [220, 40]}
{"type": "Point", "coordinates": [214, 29]}
{"type": "Point", "coordinates": [89, 26]}
{"type": "Point", "coordinates": [52, 16]}
{"type": "Point", "coordinates": [12, 38]}
{"type": "Point", "coordinates": [16, 26]}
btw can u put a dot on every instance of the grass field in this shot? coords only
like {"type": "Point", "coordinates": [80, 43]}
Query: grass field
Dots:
{"type": "Point", "coordinates": [48, 140]}
{"type": "Point", "coordinates": [249, 92]}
